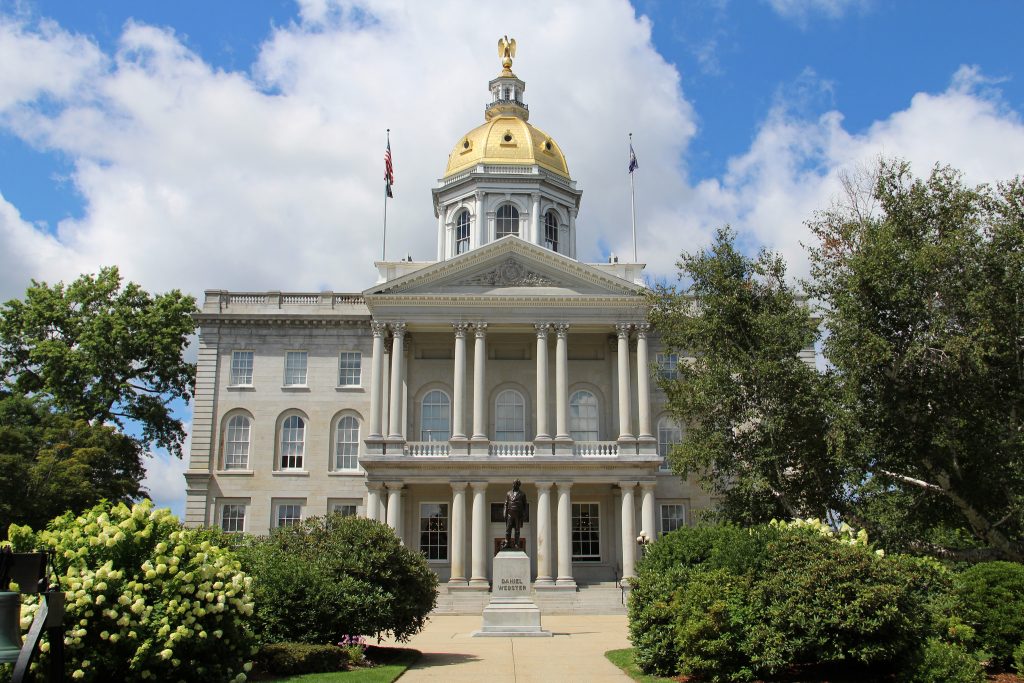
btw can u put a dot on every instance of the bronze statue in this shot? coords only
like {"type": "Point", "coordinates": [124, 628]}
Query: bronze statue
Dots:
{"type": "Point", "coordinates": [516, 512]}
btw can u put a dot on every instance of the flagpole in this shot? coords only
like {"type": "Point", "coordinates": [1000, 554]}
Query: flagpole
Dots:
{"type": "Point", "coordinates": [384, 244]}
{"type": "Point", "coordinates": [632, 200]}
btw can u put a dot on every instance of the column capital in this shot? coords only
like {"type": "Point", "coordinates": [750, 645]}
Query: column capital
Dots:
{"type": "Point", "coordinates": [378, 328]}
{"type": "Point", "coordinates": [542, 329]}
{"type": "Point", "coordinates": [628, 485]}
{"type": "Point", "coordinates": [480, 330]}
{"type": "Point", "coordinates": [479, 485]}
{"type": "Point", "coordinates": [397, 328]}
{"type": "Point", "coordinates": [563, 485]}
{"type": "Point", "coordinates": [648, 486]}
{"type": "Point", "coordinates": [561, 329]}
{"type": "Point", "coordinates": [374, 485]}
{"type": "Point", "coordinates": [622, 329]}
{"type": "Point", "coordinates": [544, 485]}
{"type": "Point", "coordinates": [642, 329]}
{"type": "Point", "coordinates": [395, 485]}
{"type": "Point", "coordinates": [460, 329]}
{"type": "Point", "coordinates": [459, 485]}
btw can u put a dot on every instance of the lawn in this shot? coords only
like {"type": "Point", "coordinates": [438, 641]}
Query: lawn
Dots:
{"type": "Point", "coordinates": [624, 660]}
{"type": "Point", "coordinates": [389, 664]}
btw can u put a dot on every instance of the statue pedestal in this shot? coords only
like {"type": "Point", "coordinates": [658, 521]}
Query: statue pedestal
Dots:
{"type": "Point", "coordinates": [511, 611]}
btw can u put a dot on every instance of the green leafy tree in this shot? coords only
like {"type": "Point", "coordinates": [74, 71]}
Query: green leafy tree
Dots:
{"type": "Point", "coordinates": [756, 414]}
{"type": "Point", "coordinates": [102, 352]}
{"type": "Point", "coordinates": [923, 293]}
{"type": "Point", "coordinates": [51, 462]}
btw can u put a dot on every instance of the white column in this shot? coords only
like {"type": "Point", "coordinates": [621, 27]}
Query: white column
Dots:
{"type": "Point", "coordinates": [397, 353]}
{"type": "Point", "coordinates": [395, 507]}
{"type": "Point", "coordinates": [373, 500]}
{"type": "Point", "coordinates": [479, 542]}
{"type": "Point", "coordinates": [403, 418]}
{"type": "Point", "coordinates": [542, 381]}
{"type": "Point", "coordinates": [572, 231]}
{"type": "Point", "coordinates": [544, 577]}
{"type": "Point", "coordinates": [628, 529]}
{"type": "Point", "coordinates": [564, 535]}
{"type": "Point", "coordinates": [442, 237]}
{"type": "Point", "coordinates": [377, 379]}
{"type": "Point", "coordinates": [480, 225]}
{"type": "Point", "coordinates": [561, 383]}
{"type": "Point", "coordinates": [622, 330]}
{"type": "Point", "coordinates": [535, 235]}
{"type": "Point", "coordinates": [479, 400]}
{"type": "Point", "coordinates": [458, 575]}
{"type": "Point", "coordinates": [459, 384]}
{"type": "Point", "coordinates": [643, 384]}
{"type": "Point", "coordinates": [648, 523]}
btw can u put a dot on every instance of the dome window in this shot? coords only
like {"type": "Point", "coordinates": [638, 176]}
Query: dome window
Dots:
{"type": "Point", "coordinates": [508, 136]}
{"type": "Point", "coordinates": [507, 221]}
{"type": "Point", "coordinates": [465, 144]}
{"type": "Point", "coordinates": [547, 146]}
{"type": "Point", "coordinates": [462, 232]}
{"type": "Point", "coordinates": [551, 231]}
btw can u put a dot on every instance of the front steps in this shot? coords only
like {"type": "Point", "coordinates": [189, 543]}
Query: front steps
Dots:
{"type": "Point", "coordinates": [593, 598]}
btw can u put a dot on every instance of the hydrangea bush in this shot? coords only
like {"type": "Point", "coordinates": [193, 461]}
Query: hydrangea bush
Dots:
{"type": "Point", "coordinates": [147, 600]}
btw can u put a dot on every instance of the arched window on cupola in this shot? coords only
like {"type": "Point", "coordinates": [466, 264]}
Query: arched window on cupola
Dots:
{"type": "Point", "coordinates": [462, 232]}
{"type": "Point", "coordinates": [507, 221]}
{"type": "Point", "coordinates": [551, 230]}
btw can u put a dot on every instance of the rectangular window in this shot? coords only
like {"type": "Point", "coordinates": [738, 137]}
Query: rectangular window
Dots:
{"type": "Point", "coordinates": [586, 532]}
{"type": "Point", "coordinates": [344, 509]}
{"type": "Point", "coordinates": [288, 514]}
{"type": "Point", "coordinates": [434, 530]}
{"type": "Point", "coordinates": [667, 365]}
{"type": "Point", "coordinates": [673, 516]}
{"type": "Point", "coordinates": [241, 369]}
{"type": "Point", "coordinates": [295, 368]}
{"type": "Point", "coordinates": [350, 369]}
{"type": "Point", "coordinates": [232, 518]}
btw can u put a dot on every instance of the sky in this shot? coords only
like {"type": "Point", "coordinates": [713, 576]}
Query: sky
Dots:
{"type": "Point", "coordinates": [239, 144]}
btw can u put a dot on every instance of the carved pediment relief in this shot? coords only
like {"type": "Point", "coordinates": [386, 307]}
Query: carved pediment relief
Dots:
{"type": "Point", "coordinates": [509, 273]}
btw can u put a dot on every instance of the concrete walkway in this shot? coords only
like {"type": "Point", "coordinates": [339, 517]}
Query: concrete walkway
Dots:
{"type": "Point", "coordinates": [574, 653]}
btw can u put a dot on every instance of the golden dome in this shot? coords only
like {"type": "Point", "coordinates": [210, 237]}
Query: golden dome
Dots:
{"type": "Point", "coordinates": [507, 140]}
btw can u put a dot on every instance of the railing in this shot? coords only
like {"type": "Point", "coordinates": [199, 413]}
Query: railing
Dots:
{"type": "Point", "coordinates": [511, 449]}
{"type": "Point", "coordinates": [512, 170]}
{"type": "Point", "coordinates": [248, 298]}
{"type": "Point", "coordinates": [344, 299]}
{"type": "Point", "coordinates": [595, 448]}
{"type": "Point", "coordinates": [300, 298]}
{"type": "Point", "coordinates": [427, 449]}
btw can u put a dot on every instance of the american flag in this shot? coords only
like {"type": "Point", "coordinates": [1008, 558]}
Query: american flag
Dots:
{"type": "Point", "coordinates": [389, 170]}
{"type": "Point", "coordinates": [633, 165]}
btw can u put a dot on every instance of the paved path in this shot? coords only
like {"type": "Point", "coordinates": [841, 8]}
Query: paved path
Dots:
{"type": "Point", "coordinates": [574, 653]}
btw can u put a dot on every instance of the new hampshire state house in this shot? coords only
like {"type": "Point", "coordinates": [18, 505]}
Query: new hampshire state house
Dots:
{"type": "Point", "coordinates": [418, 401]}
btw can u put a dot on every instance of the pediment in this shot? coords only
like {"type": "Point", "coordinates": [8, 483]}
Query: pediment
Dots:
{"type": "Point", "coordinates": [509, 267]}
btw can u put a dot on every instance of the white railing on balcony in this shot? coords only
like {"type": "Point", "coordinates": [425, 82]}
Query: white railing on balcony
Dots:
{"type": "Point", "coordinates": [427, 449]}
{"type": "Point", "coordinates": [595, 448]}
{"type": "Point", "coordinates": [248, 298]}
{"type": "Point", "coordinates": [300, 298]}
{"type": "Point", "coordinates": [512, 449]}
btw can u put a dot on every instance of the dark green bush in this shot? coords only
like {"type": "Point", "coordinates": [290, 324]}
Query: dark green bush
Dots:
{"type": "Point", "coordinates": [332, 577]}
{"type": "Point", "coordinates": [943, 662]}
{"type": "Point", "coordinates": [301, 658]}
{"type": "Point", "coordinates": [1018, 658]}
{"type": "Point", "coordinates": [992, 595]}
{"type": "Point", "coordinates": [730, 604]}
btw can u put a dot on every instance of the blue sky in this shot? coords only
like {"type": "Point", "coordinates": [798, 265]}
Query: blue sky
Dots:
{"type": "Point", "coordinates": [238, 144]}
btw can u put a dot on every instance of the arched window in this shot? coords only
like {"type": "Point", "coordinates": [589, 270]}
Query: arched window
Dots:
{"type": "Point", "coordinates": [236, 443]}
{"type": "Point", "coordinates": [507, 221]}
{"type": "Point", "coordinates": [551, 231]}
{"type": "Point", "coordinates": [669, 434]}
{"type": "Point", "coordinates": [346, 444]}
{"type": "Point", "coordinates": [462, 232]}
{"type": "Point", "coordinates": [293, 442]}
{"type": "Point", "coordinates": [435, 417]}
{"type": "Point", "coordinates": [583, 416]}
{"type": "Point", "coordinates": [510, 416]}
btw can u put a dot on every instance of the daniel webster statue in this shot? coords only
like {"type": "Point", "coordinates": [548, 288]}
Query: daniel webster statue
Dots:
{"type": "Point", "coordinates": [517, 511]}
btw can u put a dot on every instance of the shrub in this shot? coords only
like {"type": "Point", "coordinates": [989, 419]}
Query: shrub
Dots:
{"type": "Point", "coordinates": [343, 576]}
{"type": "Point", "coordinates": [992, 595]}
{"type": "Point", "coordinates": [302, 658]}
{"type": "Point", "coordinates": [943, 662]}
{"type": "Point", "coordinates": [731, 604]}
{"type": "Point", "coordinates": [1018, 658]}
{"type": "Point", "coordinates": [146, 598]}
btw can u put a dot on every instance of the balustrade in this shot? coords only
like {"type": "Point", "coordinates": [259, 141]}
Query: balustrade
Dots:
{"type": "Point", "coordinates": [427, 449]}
{"type": "Point", "coordinates": [514, 449]}
{"type": "Point", "coordinates": [595, 448]}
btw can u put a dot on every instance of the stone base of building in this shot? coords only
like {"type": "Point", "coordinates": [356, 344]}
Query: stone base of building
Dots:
{"type": "Point", "coordinates": [511, 611]}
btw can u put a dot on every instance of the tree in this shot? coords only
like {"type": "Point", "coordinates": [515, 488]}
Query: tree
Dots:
{"type": "Point", "coordinates": [51, 462]}
{"type": "Point", "coordinates": [756, 414]}
{"type": "Point", "coordinates": [924, 303]}
{"type": "Point", "coordinates": [102, 353]}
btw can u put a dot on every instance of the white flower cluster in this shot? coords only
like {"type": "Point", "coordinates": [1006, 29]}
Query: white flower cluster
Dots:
{"type": "Point", "coordinates": [844, 534]}
{"type": "Point", "coordinates": [146, 598]}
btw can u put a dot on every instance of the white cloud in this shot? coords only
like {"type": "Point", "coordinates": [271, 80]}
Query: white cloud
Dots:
{"type": "Point", "coordinates": [165, 480]}
{"type": "Point", "coordinates": [802, 10]}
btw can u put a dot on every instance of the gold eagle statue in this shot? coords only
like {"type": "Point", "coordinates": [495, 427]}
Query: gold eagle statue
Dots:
{"type": "Point", "coordinates": [506, 50]}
